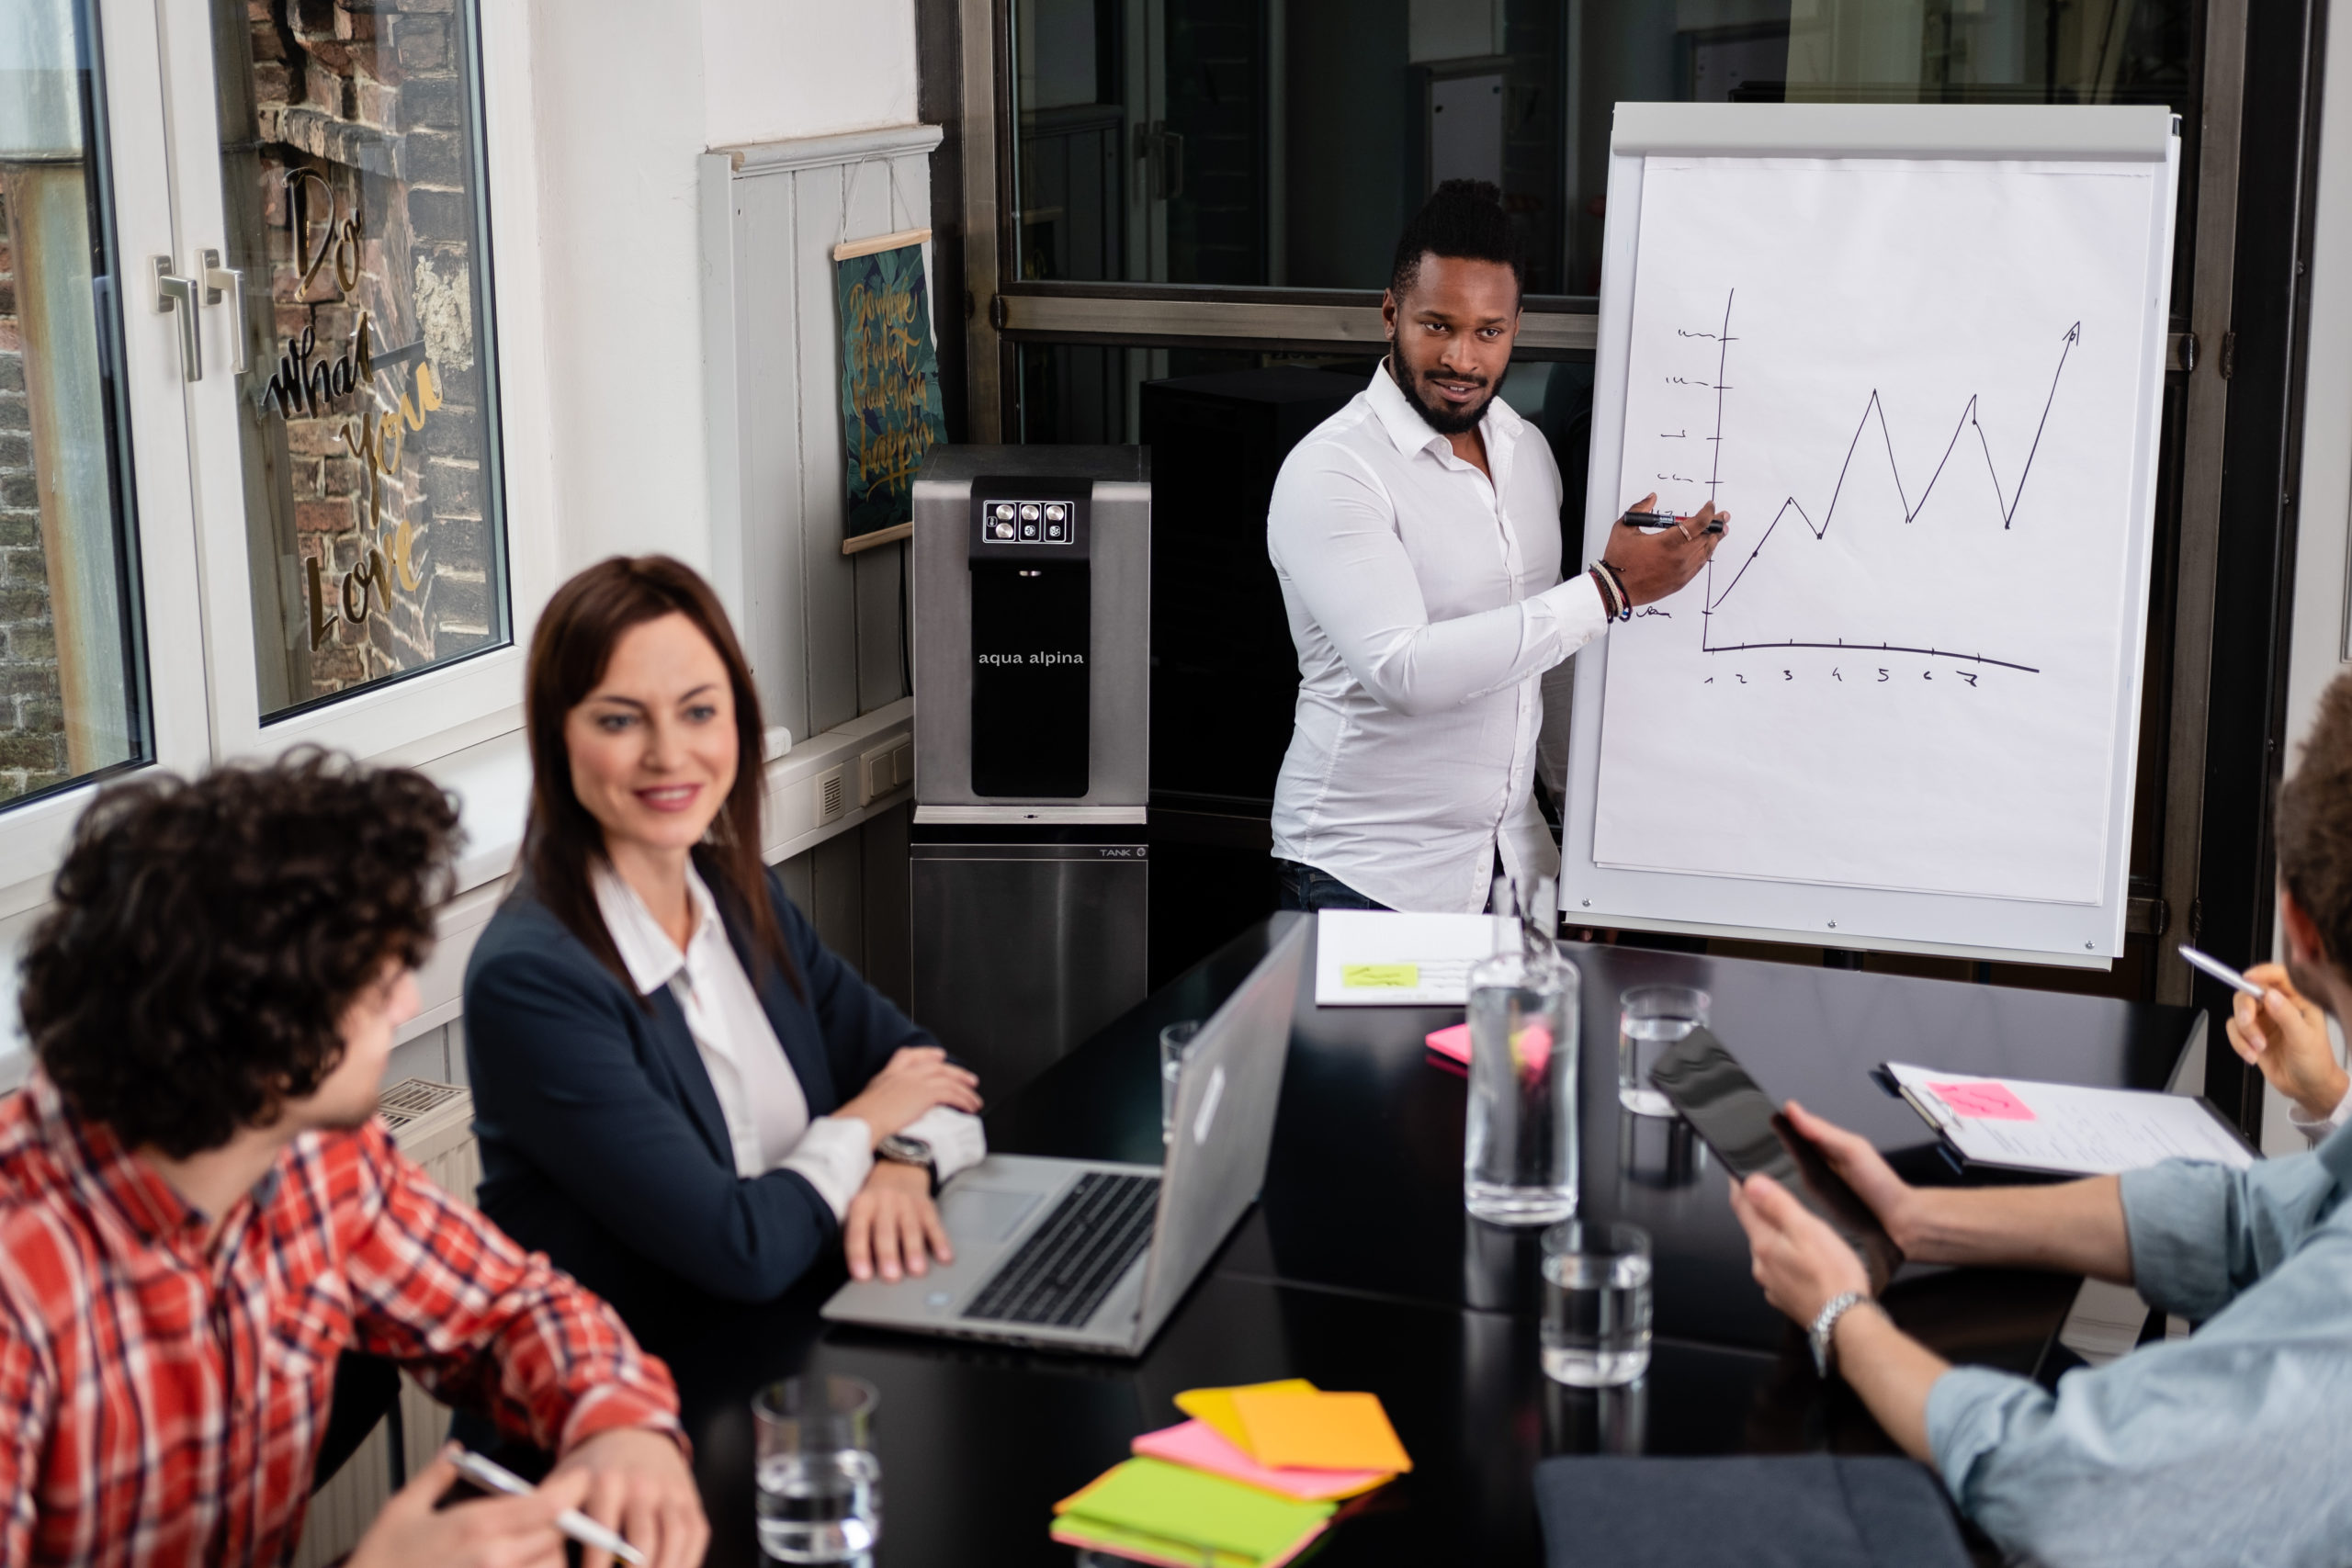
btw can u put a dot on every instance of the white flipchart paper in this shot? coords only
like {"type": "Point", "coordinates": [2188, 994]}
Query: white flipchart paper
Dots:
{"type": "Point", "coordinates": [1914, 385]}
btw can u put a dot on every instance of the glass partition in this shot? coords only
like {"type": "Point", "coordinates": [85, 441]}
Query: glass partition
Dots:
{"type": "Point", "coordinates": [1283, 143]}
{"type": "Point", "coordinates": [72, 697]}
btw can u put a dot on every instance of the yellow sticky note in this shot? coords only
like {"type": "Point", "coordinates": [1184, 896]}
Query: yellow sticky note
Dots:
{"type": "Point", "coordinates": [1318, 1431]}
{"type": "Point", "coordinates": [1379, 976]}
{"type": "Point", "coordinates": [1214, 1406]}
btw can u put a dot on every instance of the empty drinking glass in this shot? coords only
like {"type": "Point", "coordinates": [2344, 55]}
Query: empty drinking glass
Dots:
{"type": "Point", "coordinates": [1649, 1019]}
{"type": "Point", "coordinates": [820, 1484]}
{"type": "Point", "coordinates": [1175, 1044]}
{"type": "Point", "coordinates": [1595, 1302]}
{"type": "Point", "coordinates": [1519, 1157]}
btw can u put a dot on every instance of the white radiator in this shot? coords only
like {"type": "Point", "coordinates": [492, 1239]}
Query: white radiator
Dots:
{"type": "Point", "coordinates": [433, 1124]}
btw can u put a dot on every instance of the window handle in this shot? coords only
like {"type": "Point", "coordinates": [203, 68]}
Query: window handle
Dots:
{"type": "Point", "coordinates": [1161, 151]}
{"type": "Point", "coordinates": [217, 278]}
{"type": "Point", "coordinates": [179, 294]}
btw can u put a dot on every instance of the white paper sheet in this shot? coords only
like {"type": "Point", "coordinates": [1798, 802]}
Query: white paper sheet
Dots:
{"type": "Point", "coordinates": [2105, 1322]}
{"type": "Point", "coordinates": [1913, 384]}
{"type": "Point", "coordinates": [1372, 958]}
{"type": "Point", "coordinates": [2073, 1130]}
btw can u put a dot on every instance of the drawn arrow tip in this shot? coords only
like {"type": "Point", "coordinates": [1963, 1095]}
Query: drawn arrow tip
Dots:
{"type": "Point", "coordinates": [2074, 332]}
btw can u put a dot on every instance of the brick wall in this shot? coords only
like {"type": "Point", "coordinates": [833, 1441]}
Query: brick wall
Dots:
{"type": "Point", "coordinates": [32, 723]}
{"type": "Point", "coordinates": [370, 97]}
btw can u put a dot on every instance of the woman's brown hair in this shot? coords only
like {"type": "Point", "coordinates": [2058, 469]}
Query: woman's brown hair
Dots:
{"type": "Point", "coordinates": [569, 653]}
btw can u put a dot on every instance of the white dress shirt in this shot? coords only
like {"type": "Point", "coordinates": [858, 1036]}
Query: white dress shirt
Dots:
{"type": "Point", "coordinates": [1426, 604]}
{"type": "Point", "coordinates": [759, 1094]}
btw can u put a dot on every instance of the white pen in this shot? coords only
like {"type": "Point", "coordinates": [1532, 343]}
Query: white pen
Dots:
{"type": "Point", "coordinates": [2220, 971]}
{"type": "Point", "coordinates": [571, 1521]}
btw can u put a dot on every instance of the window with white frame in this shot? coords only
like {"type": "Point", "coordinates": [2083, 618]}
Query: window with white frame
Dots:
{"type": "Point", "coordinates": [252, 429]}
{"type": "Point", "coordinates": [352, 181]}
{"type": "Point", "coordinates": [73, 698]}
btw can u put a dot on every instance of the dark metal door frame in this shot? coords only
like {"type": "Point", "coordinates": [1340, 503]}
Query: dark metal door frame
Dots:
{"type": "Point", "coordinates": [2250, 551]}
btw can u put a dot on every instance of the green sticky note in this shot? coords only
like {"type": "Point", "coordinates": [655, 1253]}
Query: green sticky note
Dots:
{"type": "Point", "coordinates": [1135, 1546]}
{"type": "Point", "coordinates": [1192, 1514]}
{"type": "Point", "coordinates": [1380, 976]}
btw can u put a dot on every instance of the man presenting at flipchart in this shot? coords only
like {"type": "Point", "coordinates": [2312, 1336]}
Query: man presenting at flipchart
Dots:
{"type": "Point", "coordinates": [1417, 536]}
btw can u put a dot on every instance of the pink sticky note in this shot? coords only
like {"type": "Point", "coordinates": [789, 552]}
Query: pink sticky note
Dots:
{"type": "Point", "coordinates": [1203, 1447]}
{"type": "Point", "coordinates": [1991, 1101]}
{"type": "Point", "coordinates": [1454, 1043]}
{"type": "Point", "coordinates": [1534, 1045]}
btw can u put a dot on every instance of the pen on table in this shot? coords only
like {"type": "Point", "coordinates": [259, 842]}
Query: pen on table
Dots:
{"type": "Point", "coordinates": [2220, 971]}
{"type": "Point", "coordinates": [571, 1521]}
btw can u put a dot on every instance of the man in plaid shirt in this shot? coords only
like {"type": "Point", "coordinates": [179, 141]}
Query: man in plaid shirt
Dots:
{"type": "Point", "coordinates": [198, 1212]}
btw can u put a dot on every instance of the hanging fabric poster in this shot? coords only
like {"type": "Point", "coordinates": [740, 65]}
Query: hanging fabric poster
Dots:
{"type": "Point", "coordinates": [890, 409]}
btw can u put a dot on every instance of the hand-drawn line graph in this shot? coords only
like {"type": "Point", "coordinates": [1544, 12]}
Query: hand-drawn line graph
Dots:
{"type": "Point", "coordinates": [2008, 499]}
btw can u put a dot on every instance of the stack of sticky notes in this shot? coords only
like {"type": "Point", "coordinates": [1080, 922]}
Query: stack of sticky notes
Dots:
{"type": "Point", "coordinates": [1248, 1482]}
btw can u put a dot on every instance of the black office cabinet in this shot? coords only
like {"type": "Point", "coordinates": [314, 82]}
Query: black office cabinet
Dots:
{"type": "Point", "coordinates": [1026, 940]}
{"type": "Point", "coordinates": [1223, 675]}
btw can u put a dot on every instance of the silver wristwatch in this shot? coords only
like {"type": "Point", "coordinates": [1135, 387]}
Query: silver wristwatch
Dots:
{"type": "Point", "coordinates": [900, 1149]}
{"type": "Point", "coordinates": [1826, 1323]}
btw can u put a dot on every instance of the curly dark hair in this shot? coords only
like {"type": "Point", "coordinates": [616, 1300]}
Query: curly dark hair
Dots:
{"type": "Point", "coordinates": [2314, 825]}
{"type": "Point", "coordinates": [208, 936]}
{"type": "Point", "coordinates": [1463, 220]}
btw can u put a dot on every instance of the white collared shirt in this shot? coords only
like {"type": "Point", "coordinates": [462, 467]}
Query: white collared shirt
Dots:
{"type": "Point", "coordinates": [1426, 604]}
{"type": "Point", "coordinates": [759, 1094]}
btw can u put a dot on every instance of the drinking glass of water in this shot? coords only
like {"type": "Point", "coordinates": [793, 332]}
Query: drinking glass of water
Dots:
{"type": "Point", "coordinates": [1175, 1044]}
{"type": "Point", "coordinates": [1596, 1303]}
{"type": "Point", "coordinates": [1519, 1155]}
{"type": "Point", "coordinates": [1649, 1019]}
{"type": "Point", "coordinates": [819, 1486]}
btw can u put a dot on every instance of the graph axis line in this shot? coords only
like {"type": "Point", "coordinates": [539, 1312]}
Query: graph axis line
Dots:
{"type": "Point", "coordinates": [1879, 647]}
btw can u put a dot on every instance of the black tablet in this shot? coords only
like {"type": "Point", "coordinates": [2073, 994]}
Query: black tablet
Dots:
{"type": "Point", "coordinates": [1706, 1082]}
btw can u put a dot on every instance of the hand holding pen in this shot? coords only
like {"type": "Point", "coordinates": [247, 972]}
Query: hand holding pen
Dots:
{"type": "Point", "coordinates": [2281, 1032]}
{"type": "Point", "coordinates": [1652, 554]}
{"type": "Point", "coordinates": [523, 1531]}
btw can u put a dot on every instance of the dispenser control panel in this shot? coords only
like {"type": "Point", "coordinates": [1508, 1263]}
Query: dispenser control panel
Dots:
{"type": "Point", "coordinates": [1010, 522]}
{"type": "Point", "coordinates": [1032, 641]}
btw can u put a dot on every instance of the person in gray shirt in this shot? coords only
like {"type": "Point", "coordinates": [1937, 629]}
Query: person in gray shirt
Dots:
{"type": "Point", "coordinates": [2225, 1447]}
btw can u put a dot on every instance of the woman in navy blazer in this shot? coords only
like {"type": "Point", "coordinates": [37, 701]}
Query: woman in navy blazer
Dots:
{"type": "Point", "coordinates": [635, 1121]}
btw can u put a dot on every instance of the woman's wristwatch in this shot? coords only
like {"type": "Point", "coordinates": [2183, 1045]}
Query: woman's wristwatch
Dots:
{"type": "Point", "coordinates": [900, 1149]}
{"type": "Point", "coordinates": [1826, 1323]}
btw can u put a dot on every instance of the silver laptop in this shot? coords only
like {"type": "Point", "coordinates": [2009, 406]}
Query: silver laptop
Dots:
{"type": "Point", "coordinates": [1086, 1255]}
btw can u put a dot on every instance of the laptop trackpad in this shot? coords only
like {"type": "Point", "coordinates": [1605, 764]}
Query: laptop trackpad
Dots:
{"type": "Point", "coordinates": [985, 1213]}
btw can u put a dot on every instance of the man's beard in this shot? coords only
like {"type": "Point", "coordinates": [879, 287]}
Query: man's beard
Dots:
{"type": "Point", "coordinates": [1444, 420]}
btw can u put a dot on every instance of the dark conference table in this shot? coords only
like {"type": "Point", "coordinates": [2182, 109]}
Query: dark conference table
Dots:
{"type": "Point", "coordinates": [1359, 1270]}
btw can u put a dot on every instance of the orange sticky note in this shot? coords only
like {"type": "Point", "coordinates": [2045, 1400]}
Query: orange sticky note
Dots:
{"type": "Point", "coordinates": [1318, 1431]}
{"type": "Point", "coordinates": [1214, 1406]}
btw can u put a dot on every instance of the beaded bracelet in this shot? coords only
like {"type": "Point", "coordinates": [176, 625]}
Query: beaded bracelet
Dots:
{"type": "Point", "coordinates": [1624, 594]}
{"type": "Point", "coordinates": [1608, 591]}
{"type": "Point", "coordinates": [1624, 598]}
{"type": "Point", "coordinates": [1621, 603]}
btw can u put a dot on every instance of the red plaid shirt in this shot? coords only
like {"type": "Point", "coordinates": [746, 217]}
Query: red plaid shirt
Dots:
{"type": "Point", "coordinates": [162, 1401]}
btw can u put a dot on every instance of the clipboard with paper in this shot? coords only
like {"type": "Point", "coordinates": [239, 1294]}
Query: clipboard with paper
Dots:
{"type": "Point", "coordinates": [2052, 1129]}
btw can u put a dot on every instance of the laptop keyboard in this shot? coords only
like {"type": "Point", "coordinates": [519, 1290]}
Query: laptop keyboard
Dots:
{"type": "Point", "coordinates": [1068, 1264]}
